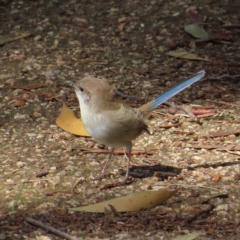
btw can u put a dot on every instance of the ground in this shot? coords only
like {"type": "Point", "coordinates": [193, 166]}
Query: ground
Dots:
{"type": "Point", "coordinates": [128, 43]}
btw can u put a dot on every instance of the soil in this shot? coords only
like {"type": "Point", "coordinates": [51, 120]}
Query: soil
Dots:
{"type": "Point", "coordinates": [46, 170]}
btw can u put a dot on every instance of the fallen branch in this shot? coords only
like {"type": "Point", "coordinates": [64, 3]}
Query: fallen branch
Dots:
{"type": "Point", "coordinates": [50, 229]}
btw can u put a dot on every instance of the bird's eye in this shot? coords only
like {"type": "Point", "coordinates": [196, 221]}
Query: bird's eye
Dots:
{"type": "Point", "coordinates": [80, 89]}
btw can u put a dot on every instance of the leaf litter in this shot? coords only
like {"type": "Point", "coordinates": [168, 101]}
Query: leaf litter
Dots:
{"type": "Point", "coordinates": [98, 44]}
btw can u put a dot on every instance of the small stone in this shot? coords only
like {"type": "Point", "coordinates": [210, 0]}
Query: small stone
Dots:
{"type": "Point", "coordinates": [37, 38]}
{"type": "Point", "coordinates": [52, 169]}
{"type": "Point", "coordinates": [21, 164]}
{"type": "Point", "coordinates": [10, 181]}
{"type": "Point", "coordinates": [20, 116]}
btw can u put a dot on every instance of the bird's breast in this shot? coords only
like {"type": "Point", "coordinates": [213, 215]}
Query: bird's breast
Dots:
{"type": "Point", "coordinates": [113, 128]}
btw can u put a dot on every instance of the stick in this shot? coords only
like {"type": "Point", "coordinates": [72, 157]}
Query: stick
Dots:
{"type": "Point", "coordinates": [50, 229]}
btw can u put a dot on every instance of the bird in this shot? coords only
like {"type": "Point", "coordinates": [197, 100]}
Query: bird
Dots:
{"type": "Point", "coordinates": [114, 123]}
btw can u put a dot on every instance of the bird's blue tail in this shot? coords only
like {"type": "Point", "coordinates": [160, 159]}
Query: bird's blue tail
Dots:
{"type": "Point", "coordinates": [175, 90]}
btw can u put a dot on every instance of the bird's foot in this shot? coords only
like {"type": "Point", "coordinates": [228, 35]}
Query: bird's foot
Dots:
{"type": "Point", "coordinates": [100, 177]}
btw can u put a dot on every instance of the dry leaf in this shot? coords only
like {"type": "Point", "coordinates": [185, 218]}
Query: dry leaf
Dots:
{"type": "Point", "coordinates": [68, 122]}
{"type": "Point", "coordinates": [123, 21]}
{"type": "Point", "coordinates": [131, 202]}
{"type": "Point", "coordinates": [121, 26]}
{"type": "Point", "coordinates": [216, 177]}
{"type": "Point", "coordinates": [186, 55]}
{"type": "Point", "coordinates": [19, 103]}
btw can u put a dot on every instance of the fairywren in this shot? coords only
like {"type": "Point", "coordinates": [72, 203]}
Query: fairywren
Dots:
{"type": "Point", "coordinates": [112, 122]}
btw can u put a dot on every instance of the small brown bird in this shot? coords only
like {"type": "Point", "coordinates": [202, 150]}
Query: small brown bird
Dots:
{"type": "Point", "coordinates": [112, 122]}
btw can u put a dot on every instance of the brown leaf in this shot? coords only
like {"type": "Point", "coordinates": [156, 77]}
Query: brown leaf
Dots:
{"type": "Point", "coordinates": [121, 26]}
{"type": "Point", "coordinates": [19, 103]}
{"type": "Point", "coordinates": [216, 177]}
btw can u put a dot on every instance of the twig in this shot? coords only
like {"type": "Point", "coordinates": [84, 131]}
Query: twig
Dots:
{"type": "Point", "coordinates": [223, 76]}
{"type": "Point", "coordinates": [192, 186]}
{"type": "Point", "coordinates": [221, 102]}
{"type": "Point", "coordinates": [116, 184]}
{"type": "Point", "coordinates": [203, 107]}
{"type": "Point", "coordinates": [48, 194]}
{"type": "Point", "coordinates": [80, 180]}
{"type": "Point", "coordinates": [12, 39]}
{"type": "Point", "coordinates": [50, 229]}
{"type": "Point", "coordinates": [206, 115]}
{"type": "Point", "coordinates": [89, 150]}
{"type": "Point", "coordinates": [173, 105]}
{"type": "Point", "coordinates": [170, 125]}
{"type": "Point", "coordinates": [83, 30]}
{"type": "Point", "coordinates": [36, 180]}
{"type": "Point", "coordinates": [199, 213]}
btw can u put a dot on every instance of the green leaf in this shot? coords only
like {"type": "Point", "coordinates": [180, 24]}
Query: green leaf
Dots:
{"type": "Point", "coordinates": [196, 31]}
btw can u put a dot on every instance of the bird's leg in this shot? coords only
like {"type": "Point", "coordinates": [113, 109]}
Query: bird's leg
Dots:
{"type": "Point", "coordinates": [126, 178]}
{"type": "Point", "coordinates": [105, 166]}
{"type": "Point", "coordinates": [129, 149]}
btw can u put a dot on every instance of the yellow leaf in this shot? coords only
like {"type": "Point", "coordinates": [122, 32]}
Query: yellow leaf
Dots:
{"type": "Point", "coordinates": [131, 202]}
{"type": "Point", "coordinates": [68, 122]}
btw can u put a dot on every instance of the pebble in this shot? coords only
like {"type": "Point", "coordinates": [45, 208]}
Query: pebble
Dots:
{"type": "Point", "coordinates": [21, 164]}
{"type": "Point", "coordinates": [37, 38]}
{"type": "Point", "coordinates": [10, 181]}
